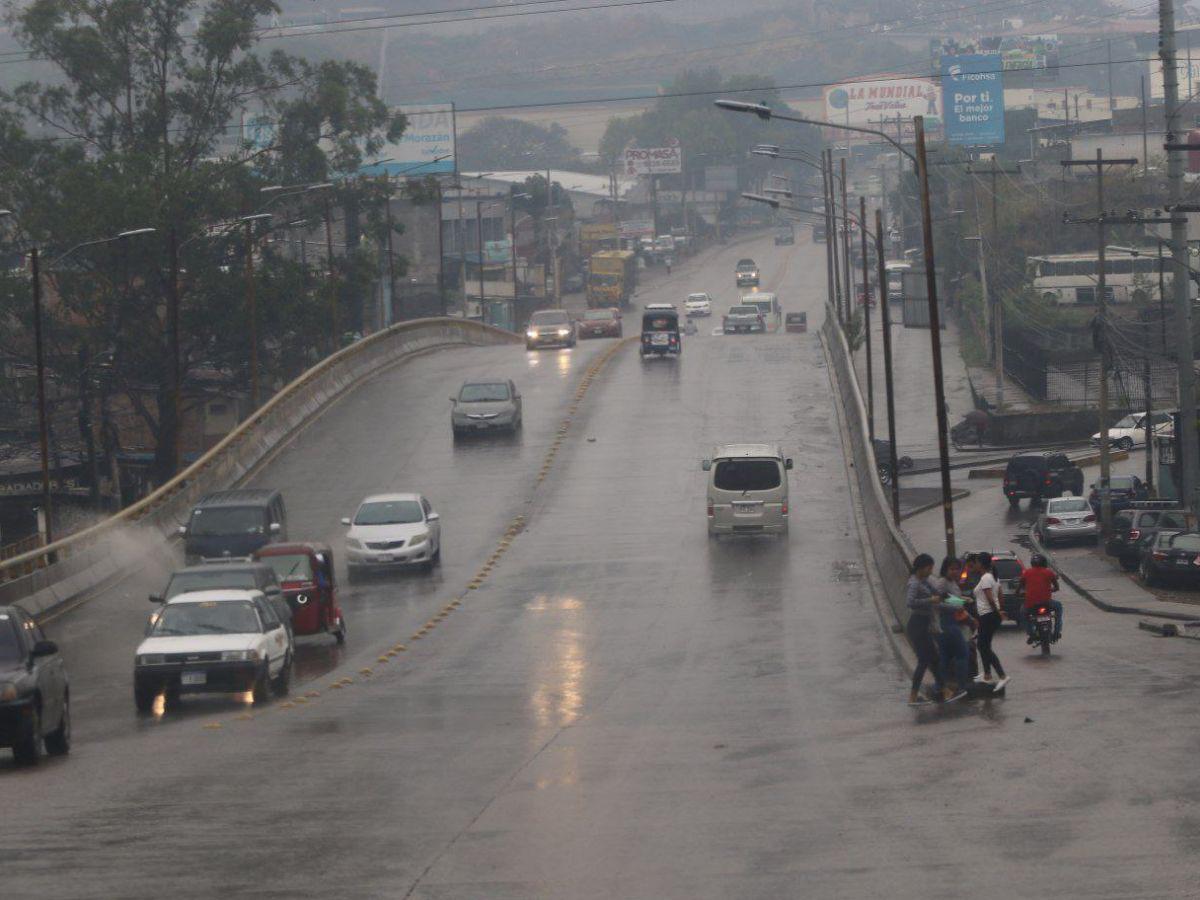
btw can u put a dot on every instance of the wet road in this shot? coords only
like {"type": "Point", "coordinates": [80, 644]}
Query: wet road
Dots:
{"type": "Point", "coordinates": [622, 708]}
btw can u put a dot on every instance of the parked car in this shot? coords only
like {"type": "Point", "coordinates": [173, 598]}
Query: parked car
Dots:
{"type": "Point", "coordinates": [223, 641]}
{"type": "Point", "coordinates": [1172, 556]}
{"type": "Point", "coordinates": [35, 695]}
{"type": "Point", "coordinates": [239, 574]}
{"type": "Point", "coordinates": [1137, 526]}
{"type": "Point", "coordinates": [488, 405]}
{"type": "Point", "coordinates": [1038, 476]}
{"type": "Point", "coordinates": [602, 322]}
{"type": "Point", "coordinates": [1122, 490]}
{"type": "Point", "coordinates": [746, 273]}
{"type": "Point", "coordinates": [550, 328]}
{"type": "Point", "coordinates": [743, 318]}
{"type": "Point", "coordinates": [1007, 567]}
{"type": "Point", "coordinates": [393, 531]}
{"type": "Point", "coordinates": [1130, 431]}
{"type": "Point", "coordinates": [697, 305]}
{"type": "Point", "coordinates": [1065, 519]}
{"type": "Point", "coordinates": [233, 523]}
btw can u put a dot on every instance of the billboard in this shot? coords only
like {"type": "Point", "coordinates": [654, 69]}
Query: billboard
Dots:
{"type": "Point", "coordinates": [1038, 53]}
{"type": "Point", "coordinates": [425, 148]}
{"type": "Point", "coordinates": [973, 99]}
{"type": "Point", "coordinates": [865, 103]}
{"type": "Point", "coordinates": [653, 160]}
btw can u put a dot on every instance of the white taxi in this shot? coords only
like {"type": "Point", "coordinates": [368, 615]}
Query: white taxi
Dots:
{"type": "Point", "coordinates": [697, 305]}
{"type": "Point", "coordinates": [220, 641]}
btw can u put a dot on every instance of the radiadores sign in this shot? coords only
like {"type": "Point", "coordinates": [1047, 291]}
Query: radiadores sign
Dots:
{"type": "Point", "coordinates": [653, 160]}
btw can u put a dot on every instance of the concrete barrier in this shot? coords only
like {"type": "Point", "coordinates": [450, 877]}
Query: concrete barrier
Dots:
{"type": "Point", "coordinates": [91, 558]}
{"type": "Point", "coordinates": [891, 548]}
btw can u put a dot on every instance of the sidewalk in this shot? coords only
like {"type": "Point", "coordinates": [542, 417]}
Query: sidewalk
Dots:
{"type": "Point", "coordinates": [1101, 581]}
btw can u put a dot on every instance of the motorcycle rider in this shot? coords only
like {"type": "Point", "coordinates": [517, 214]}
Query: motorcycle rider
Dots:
{"type": "Point", "coordinates": [1040, 581]}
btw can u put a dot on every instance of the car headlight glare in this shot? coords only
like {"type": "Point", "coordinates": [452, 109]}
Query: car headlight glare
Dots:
{"type": "Point", "coordinates": [563, 332]}
{"type": "Point", "coordinates": [8, 692]}
{"type": "Point", "coordinates": [150, 659]}
{"type": "Point", "coordinates": [239, 656]}
{"type": "Point", "coordinates": [419, 539]}
{"type": "Point", "coordinates": [531, 333]}
{"type": "Point", "coordinates": [354, 543]}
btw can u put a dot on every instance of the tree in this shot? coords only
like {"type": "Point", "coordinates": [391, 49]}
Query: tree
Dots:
{"type": "Point", "coordinates": [144, 130]}
{"type": "Point", "coordinates": [500, 142]}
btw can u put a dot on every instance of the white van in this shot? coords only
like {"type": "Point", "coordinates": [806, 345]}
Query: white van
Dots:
{"type": "Point", "coordinates": [768, 305]}
{"type": "Point", "coordinates": [747, 489]}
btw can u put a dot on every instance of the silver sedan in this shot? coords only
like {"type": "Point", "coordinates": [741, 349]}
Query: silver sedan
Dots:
{"type": "Point", "coordinates": [1066, 518]}
{"type": "Point", "coordinates": [480, 406]}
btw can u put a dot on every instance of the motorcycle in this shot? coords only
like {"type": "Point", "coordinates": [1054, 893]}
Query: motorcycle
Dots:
{"type": "Point", "coordinates": [1043, 626]}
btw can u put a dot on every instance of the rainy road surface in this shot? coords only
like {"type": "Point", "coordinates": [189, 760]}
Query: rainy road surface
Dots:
{"type": "Point", "coordinates": [621, 708]}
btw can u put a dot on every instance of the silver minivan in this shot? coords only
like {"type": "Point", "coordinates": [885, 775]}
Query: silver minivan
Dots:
{"type": "Point", "coordinates": [747, 489]}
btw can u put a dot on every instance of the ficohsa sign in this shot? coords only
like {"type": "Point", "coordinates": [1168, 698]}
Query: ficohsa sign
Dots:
{"type": "Point", "coordinates": [653, 160]}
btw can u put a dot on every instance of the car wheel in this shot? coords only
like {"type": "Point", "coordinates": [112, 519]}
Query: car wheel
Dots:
{"type": "Point", "coordinates": [340, 634]}
{"type": "Point", "coordinates": [58, 742]}
{"type": "Point", "coordinates": [262, 685]}
{"type": "Point", "coordinates": [143, 698]}
{"type": "Point", "coordinates": [1014, 502]}
{"type": "Point", "coordinates": [1146, 574]}
{"type": "Point", "coordinates": [1125, 443]}
{"type": "Point", "coordinates": [437, 554]}
{"type": "Point", "coordinates": [27, 749]}
{"type": "Point", "coordinates": [283, 681]}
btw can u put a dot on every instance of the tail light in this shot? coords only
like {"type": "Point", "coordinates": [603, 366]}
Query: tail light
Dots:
{"type": "Point", "coordinates": [1158, 554]}
{"type": "Point", "coordinates": [711, 512]}
{"type": "Point", "coordinates": [1042, 610]}
{"type": "Point", "coordinates": [1089, 518]}
{"type": "Point", "coordinates": [785, 509]}
{"type": "Point", "coordinates": [1048, 481]}
{"type": "Point", "coordinates": [1134, 535]}
{"type": "Point", "coordinates": [1053, 521]}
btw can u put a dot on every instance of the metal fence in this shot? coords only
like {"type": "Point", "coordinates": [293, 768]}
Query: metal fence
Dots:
{"type": "Point", "coordinates": [81, 562]}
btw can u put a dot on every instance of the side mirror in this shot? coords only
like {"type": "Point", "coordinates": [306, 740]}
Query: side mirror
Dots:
{"type": "Point", "coordinates": [157, 598]}
{"type": "Point", "coordinates": [787, 463]}
{"type": "Point", "coordinates": [345, 521]}
{"type": "Point", "coordinates": [181, 530]}
{"type": "Point", "coordinates": [275, 528]}
{"type": "Point", "coordinates": [454, 400]}
{"type": "Point", "coordinates": [433, 517]}
{"type": "Point", "coordinates": [706, 464]}
{"type": "Point", "coordinates": [44, 648]}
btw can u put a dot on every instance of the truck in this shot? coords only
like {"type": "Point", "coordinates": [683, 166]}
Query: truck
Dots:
{"type": "Point", "coordinates": [612, 277]}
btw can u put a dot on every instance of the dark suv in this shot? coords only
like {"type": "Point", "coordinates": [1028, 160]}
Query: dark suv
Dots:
{"type": "Point", "coordinates": [1135, 528]}
{"type": "Point", "coordinates": [1037, 476]}
{"type": "Point", "coordinates": [746, 273]}
{"type": "Point", "coordinates": [233, 523]}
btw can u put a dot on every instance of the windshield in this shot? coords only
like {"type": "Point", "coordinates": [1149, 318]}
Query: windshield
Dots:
{"type": "Point", "coordinates": [598, 315]}
{"type": "Point", "coordinates": [1129, 422]}
{"type": "Point", "coordinates": [389, 512]}
{"type": "Point", "coordinates": [291, 567]}
{"type": "Point", "coordinates": [1122, 483]}
{"type": "Point", "coordinates": [207, 617]}
{"type": "Point", "coordinates": [747, 475]}
{"type": "Point", "coordinates": [555, 318]}
{"type": "Point", "coordinates": [760, 302]}
{"type": "Point", "coordinates": [697, 298]}
{"type": "Point", "coordinates": [659, 323]}
{"type": "Point", "coordinates": [1006, 568]}
{"type": "Point", "coordinates": [745, 264]}
{"type": "Point", "coordinates": [10, 647]}
{"type": "Point", "coordinates": [1066, 506]}
{"type": "Point", "coordinates": [483, 393]}
{"type": "Point", "coordinates": [746, 310]}
{"type": "Point", "coordinates": [1189, 542]}
{"type": "Point", "coordinates": [227, 520]}
{"type": "Point", "coordinates": [220, 577]}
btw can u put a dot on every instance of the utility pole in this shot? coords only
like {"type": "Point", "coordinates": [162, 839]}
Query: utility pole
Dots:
{"type": "Point", "coordinates": [391, 260]}
{"type": "Point", "coordinates": [1145, 133]}
{"type": "Point", "coordinates": [441, 254]}
{"type": "Point", "coordinates": [900, 187]}
{"type": "Point", "coordinates": [889, 387]}
{"type": "Point", "coordinates": [43, 426]}
{"type": "Point", "coordinates": [1101, 331]}
{"type": "Point", "coordinates": [832, 237]}
{"type": "Point", "coordinates": [252, 313]}
{"type": "Point", "coordinates": [1189, 455]}
{"type": "Point", "coordinates": [834, 299]}
{"type": "Point", "coordinates": [850, 298]}
{"type": "Point", "coordinates": [479, 241]}
{"type": "Point", "coordinates": [1111, 97]}
{"type": "Point", "coordinates": [935, 335]}
{"type": "Point", "coordinates": [862, 228]}
{"type": "Point", "coordinates": [334, 341]}
{"type": "Point", "coordinates": [992, 305]}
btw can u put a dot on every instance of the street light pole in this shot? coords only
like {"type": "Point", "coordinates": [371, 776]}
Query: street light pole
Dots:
{"type": "Point", "coordinates": [862, 222]}
{"type": "Point", "coordinates": [893, 462]}
{"type": "Point", "coordinates": [43, 428]}
{"type": "Point", "coordinates": [332, 282]}
{"type": "Point", "coordinates": [252, 306]}
{"type": "Point", "coordinates": [850, 296]}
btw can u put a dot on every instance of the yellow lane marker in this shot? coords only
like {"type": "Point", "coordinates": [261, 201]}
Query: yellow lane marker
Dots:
{"type": "Point", "coordinates": [288, 705]}
{"type": "Point", "coordinates": [301, 700]}
{"type": "Point", "coordinates": [247, 717]}
{"type": "Point", "coordinates": [336, 686]}
{"type": "Point", "coordinates": [213, 726]}
{"type": "Point", "coordinates": [364, 671]}
{"type": "Point", "coordinates": [311, 694]}
{"type": "Point", "coordinates": [382, 659]}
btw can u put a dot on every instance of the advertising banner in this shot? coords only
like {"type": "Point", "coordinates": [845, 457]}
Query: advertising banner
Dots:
{"type": "Point", "coordinates": [1038, 53]}
{"type": "Point", "coordinates": [653, 160]}
{"type": "Point", "coordinates": [425, 148]}
{"type": "Point", "coordinates": [637, 228]}
{"type": "Point", "coordinates": [973, 99]}
{"type": "Point", "coordinates": [866, 103]}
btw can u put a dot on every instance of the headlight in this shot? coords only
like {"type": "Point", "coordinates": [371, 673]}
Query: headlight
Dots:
{"type": "Point", "coordinates": [419, 539]}
{"type": "Point", "coordinates": [150, 659]}
{"type": "Point", "coordinates": [8, 692]}
{"type": "Point", "coordinates": [301, 599]}
{"type": "Point", "coordinates": [531, 333]}
{"type": "Point", "coordinates": [563, 332]}
{"type": "Point", "coordinates": [354, 543]}
{"type": "Point", "coordinates": [239, 656]}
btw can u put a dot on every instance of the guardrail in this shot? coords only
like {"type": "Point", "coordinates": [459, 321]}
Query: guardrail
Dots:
{"type": "Point", "coordinates": [891, 547]}
{"type": "Point", "coordinates": [68, 568]}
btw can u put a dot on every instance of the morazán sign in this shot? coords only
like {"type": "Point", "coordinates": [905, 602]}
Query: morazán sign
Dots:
{"type": "Point", "coordinates": [653, 160]}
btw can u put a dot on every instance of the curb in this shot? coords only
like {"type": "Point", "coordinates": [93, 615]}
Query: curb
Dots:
{"type": "Point", "coordinates": [1096, 601]}
{"type": "Point", "coordinates": [1090, 460]}
{"type": "Point", "coordinates": [934, 504]}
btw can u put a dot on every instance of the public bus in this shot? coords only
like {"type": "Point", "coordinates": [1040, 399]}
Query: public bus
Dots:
{"type": "Point", "coordinates": [1067, 278]}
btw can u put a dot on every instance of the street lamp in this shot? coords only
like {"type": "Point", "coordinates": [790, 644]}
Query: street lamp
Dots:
{"type": "Point", "coordinates": [766, 114]}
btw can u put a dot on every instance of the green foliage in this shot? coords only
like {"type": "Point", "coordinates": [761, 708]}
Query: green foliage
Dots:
{"type": "Point", "coordinates": [500, 142]}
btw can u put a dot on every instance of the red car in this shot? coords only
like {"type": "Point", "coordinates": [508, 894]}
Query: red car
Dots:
{"type": "Point", "coordinates": [604, 322]}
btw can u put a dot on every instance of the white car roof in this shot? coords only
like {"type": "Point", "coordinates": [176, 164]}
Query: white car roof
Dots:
{"type": "Point", "coordinates": [387, 498]}
{"type": "Point", "coordinates": [660, 306]}
{"type": "Point", "coordinates": [223, 595]}
{"type": "Point", "coordinates": [730, 451]}
{"type": "Point", "coordinates": [698, 296]}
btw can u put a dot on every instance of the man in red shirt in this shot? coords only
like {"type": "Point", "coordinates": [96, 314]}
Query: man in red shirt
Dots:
{"type": "Point", "coordinates": [1040, 581]}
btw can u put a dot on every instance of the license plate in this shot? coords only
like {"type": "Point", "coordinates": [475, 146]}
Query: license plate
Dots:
{"type": "Point", "coordinates": [744, 509]}
{"type": "Point", "coordinates": [659, 339]}
{"type": "Point", "coordinates": [1043, 620]}
{"type": "Point", "coordinates": [482, 425]}
{"type": "Point", "coordinates": [191, 679]}
{"type": "Point", "coordinates": [384, 558]}
{"type": "Point", "coordinates": [1182, 562]}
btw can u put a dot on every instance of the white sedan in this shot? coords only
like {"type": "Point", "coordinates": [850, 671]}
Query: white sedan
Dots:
{"type": "Point", "coordinates": [393, 531]}
{"type": "Point", "coordinates": [697, 305]}
{"type": "Point", "coordinates": [1130, 431]}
